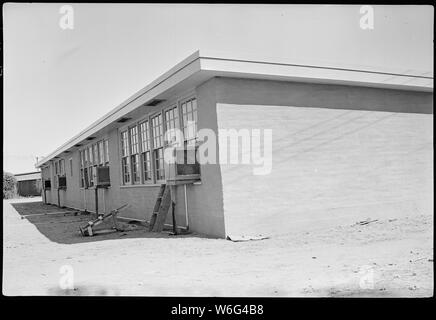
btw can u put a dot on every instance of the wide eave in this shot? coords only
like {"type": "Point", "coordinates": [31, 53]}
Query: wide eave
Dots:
{"type": "Point", "coordinates": [200, 67]}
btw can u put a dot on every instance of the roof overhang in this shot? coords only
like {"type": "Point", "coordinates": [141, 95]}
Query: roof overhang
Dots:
{"type": "Point", "coordinates": [202, 66]}
{"type": "Point", "coordinates": [28, 176]}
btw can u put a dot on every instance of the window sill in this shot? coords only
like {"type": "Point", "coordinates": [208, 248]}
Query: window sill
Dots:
{"type": "Point", "coordinates": [140, 185]}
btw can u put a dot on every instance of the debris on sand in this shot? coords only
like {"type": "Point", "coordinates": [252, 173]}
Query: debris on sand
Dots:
{"type": "Point", "coordinates": [245, 238]}
{"type": "Point", "coordinates": [365, 222]}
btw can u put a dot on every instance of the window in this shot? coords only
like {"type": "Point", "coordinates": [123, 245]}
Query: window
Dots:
{"type": "Point", "coordinates": [90, 158]}
{"type": "Point", "coordinates": [157, 130]}
{"type": "Point", "coordinates": [91, 166]}
{"type": "Point", "coordinates": [95, 163]}
{"type": "Point", "coordinates": [125, 160]}
{"type": "Point", "coordinates": [171, 123]}
{"type": "Point", "coordinates": [45, 175]}
{"type": "Point", "coordinates": [85, 170]}
{"type": "Point", "coordinates": [142, 143]}
{"type": "Point", "coordinates": [96, 155]}
{"type": "Point", "coordinates": [59, 171]}
{"type": "Point", "coordinates": [100, 153]}
{"type": "Point", "coordinates": [106, 152]}
{"type": "Point", "coordinates": [62, 167]}
{"type": "Point", "coordinates": [134, 154]}
{"type": "Point", "coordinates": [82, 168]}
{"type": "Point", "coordinates": [71, 167]}
{"type": "Point", "coordinates": [145, 148]}
{"type": "Point", "coordinates": [189, 119]}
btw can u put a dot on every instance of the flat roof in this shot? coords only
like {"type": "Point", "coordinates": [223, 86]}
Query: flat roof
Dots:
{"type": "Point", "coordinates": [201, 66]}
{"type": "Point", "coordinates": [28, 176]}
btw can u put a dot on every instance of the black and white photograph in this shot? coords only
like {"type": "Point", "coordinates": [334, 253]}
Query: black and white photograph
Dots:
{"type": "Point", "coordinates": [217, 150]}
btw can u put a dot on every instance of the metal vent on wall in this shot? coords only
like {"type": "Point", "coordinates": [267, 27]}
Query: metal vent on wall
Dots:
{"type": "Point", "coordinates": [154, 102]}
{"type": "Point", "coordinates": [123, 119]}
{"type": "Point", "coordinates": [62, 182]}
{"type": "Point", "coordinates": [103, 177]}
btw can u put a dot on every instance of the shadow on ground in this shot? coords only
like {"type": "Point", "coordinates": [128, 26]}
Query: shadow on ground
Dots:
{"type": "Point", "coordinates": [85, 291]}
{"type": "Point", "coordinates": [61, 225]}
{"type": "Point", "coordinates": [350, 291]}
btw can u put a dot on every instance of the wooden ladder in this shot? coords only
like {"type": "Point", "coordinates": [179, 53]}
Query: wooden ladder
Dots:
{"type": "Point", "coordinates": [161, 208]}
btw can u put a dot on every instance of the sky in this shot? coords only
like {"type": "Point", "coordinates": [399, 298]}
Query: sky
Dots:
{"type": "Point", "coordinates": [58, 81]}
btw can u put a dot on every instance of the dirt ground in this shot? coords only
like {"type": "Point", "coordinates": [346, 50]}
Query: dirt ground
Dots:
{"type": "Point", "coordinates": [390, 257]}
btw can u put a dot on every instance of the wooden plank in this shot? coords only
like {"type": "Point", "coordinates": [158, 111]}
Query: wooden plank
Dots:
{"type": "Point", "coordinates": [173, 213]}
{"type": "Point", "coordinates": [48, 214]}
{"type": "Point", "coordinates": [156, 207]}
{"type": "Point", "coordinates": [163, 211]}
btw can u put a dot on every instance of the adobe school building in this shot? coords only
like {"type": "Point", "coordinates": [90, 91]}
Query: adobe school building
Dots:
{"type": "Point", "coordinates": [344, 141]}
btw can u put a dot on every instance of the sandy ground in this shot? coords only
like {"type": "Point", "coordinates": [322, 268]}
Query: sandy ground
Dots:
{"type": "Point", "coordinates": [385, 258]}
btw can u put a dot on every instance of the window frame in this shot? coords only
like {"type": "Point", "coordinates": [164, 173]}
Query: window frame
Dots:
{"type": "Point", "coordinates": [148, 151]}
{"type": "Point", "coordinates": [125, 154]}
{"type": "Point", "coordinates": [91, 162]}
{"type": "Point", "coordinates": [154, 148]}
{"type": "Point", "coordinates": [177, 122]}
{"type": "Point", "coordinates": [59, 171]}
{"type": "Point", "coordinates": [82, 168]}
{"type": "Point", "coordinates": [88, 168]}
{"type": "Point", "coordinates": [182, 121]}
{"type": "Point", "coordinates": [70, 162]}
{"type": "Point", "coordinates": [135, 155]}
{"type": "Point", "coordinates": [152, 139]}
{"type": "Point", "coordinates": [106, 151]}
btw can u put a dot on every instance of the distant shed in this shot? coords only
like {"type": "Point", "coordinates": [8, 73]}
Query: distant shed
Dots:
{"type": "Point", "coordinates": [29, 184]}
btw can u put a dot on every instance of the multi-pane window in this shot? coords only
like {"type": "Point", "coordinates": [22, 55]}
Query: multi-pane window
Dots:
{"type": "Point", "coordinates": [125, 160]}
{"type": "Point", "coordinates": [45, 173]}
{"type": "Point", "coordinates": [189, 119]}
{"type": "Point", "coordinates": [59, 171]}
{"type": "Point", "coordinates": [82, 168]}
{"type": "Point", "coordinates": [106, 152]}
{"type": "Point", "coordinates": [56, 172]}
{"type": "Point", "coordinates": [145, 148]}
{"type": "Point", "coordinates": [100, 147]}
{"type": "Point", "coordinates": [96, 162]}
{"type": "Point", "coordinates": [142, 144]}
{"type": "Point", "coordinates": [91, 166]}
{"type": "Point", "coordinates": [134, 154]}
{"type": "Point", "coordinates": [157, 130]}
{"type": "Point", "coordinates": [71, 167]}
{"type": "Point", "coordinates": [90, 158]}
{"type": "Point", "coordinates": [171, 124]}
{"type": "Point", "coordinates": [85, 169]}
{"type": "Point", "coordinates": [62, 167]}
{"type": "Point", "coordinates": [96, 155]}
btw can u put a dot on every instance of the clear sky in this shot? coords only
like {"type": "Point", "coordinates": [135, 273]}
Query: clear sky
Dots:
{"type": "Point", "coordinates": [57, 82]}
